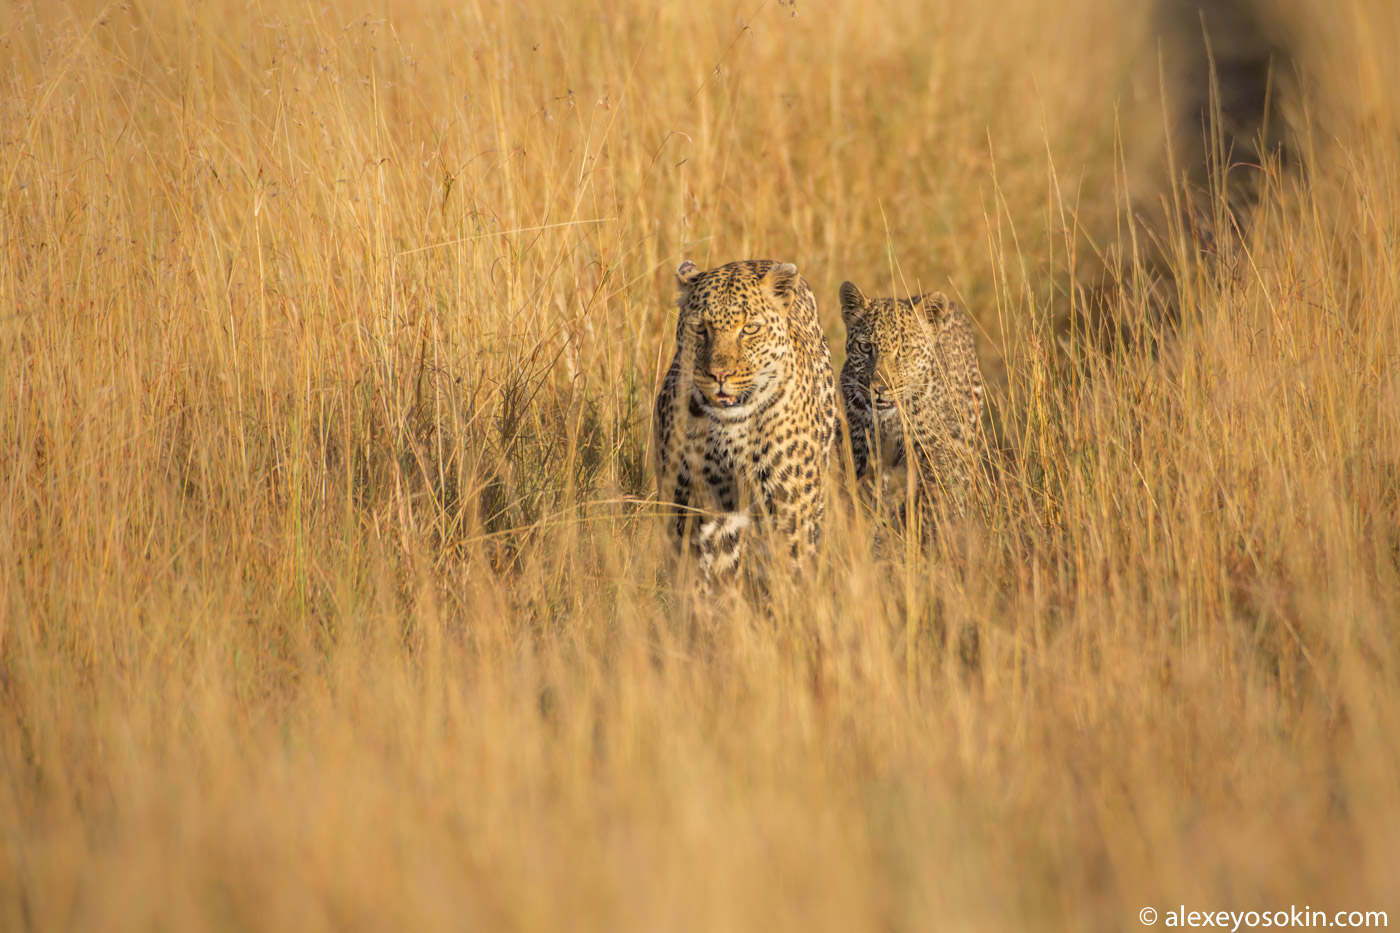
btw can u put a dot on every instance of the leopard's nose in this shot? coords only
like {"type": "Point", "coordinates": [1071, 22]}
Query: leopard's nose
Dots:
{"type": "Point", "coordinates": [719, 375]}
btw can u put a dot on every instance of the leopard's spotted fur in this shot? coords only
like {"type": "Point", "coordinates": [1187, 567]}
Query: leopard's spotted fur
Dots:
{"type": "Point", "coordinates": [746, 415]}
{"type": "Point", "coordinates": [913, 395]}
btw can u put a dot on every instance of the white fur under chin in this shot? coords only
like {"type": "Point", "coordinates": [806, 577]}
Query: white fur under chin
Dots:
{"type": "Point", "coordinates": [888, 416]}
{"type": "Point", "coordinates": [728, 412]}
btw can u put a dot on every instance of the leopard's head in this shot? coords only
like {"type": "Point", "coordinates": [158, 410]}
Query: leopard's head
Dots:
{"type": "Point", "coordinates": [735, 320]}
{"type": "Point", "coordinates": [890, 346]}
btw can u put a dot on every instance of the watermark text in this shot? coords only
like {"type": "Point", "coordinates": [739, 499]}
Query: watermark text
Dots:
{"type": "Point", "coordinates": [1234, 920]}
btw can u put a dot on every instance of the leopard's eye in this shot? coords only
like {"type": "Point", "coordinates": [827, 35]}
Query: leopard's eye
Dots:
{"type": "Point", "coordinates": [864, 346]}
{"type": "Point", "coordinates": [751, 329]}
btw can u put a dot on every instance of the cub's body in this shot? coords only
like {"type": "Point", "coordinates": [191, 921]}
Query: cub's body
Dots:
{"type": "Point", "coordinates": [912, 389]}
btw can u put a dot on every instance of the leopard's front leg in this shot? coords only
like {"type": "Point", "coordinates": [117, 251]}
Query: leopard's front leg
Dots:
{"type": "Point", "coordinates": [720, 544]}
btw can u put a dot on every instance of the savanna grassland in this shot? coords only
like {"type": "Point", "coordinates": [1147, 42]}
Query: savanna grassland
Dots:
{"type": "Point", "coordinates": [333, 594]}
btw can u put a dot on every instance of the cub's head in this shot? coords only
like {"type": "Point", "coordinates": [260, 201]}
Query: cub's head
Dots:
{"type": "Point", "coordinates": [735, 318]}
{"type": "Point", "coordinates": [890, 345]}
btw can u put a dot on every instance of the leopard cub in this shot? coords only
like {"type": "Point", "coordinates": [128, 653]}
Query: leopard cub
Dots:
{"type": "Point", "coordinates": [913, 395]}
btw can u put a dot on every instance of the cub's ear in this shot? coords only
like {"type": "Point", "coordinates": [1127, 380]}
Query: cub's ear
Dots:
{"type": "Point", "coordinates": [852, 301]}
{"type": "Point", "coordinates": [686, 275]}
{"type": "Point", "coordinates": [782, 281]}
{"type": "Point", "coordinates": [933, 305]}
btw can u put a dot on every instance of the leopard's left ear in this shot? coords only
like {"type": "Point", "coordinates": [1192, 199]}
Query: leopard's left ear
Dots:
{"type": "Point", "coordinates": [852, 302]}
{"type": "Point", "coordinates": [934, 306]}
{"type": "Point", "coordinates": [782, 282]}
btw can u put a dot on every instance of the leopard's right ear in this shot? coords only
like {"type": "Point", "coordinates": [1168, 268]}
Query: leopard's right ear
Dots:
{"type": "Point", "coordinates": [686, 275]}
{"type": "Point", "coordinates": [934, 306]}
{"type": "Point", "coordinates": [853, 302]}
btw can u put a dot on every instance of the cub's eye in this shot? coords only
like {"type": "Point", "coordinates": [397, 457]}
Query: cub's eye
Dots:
{"type": "Point", "coordinates": [751, 329]}
{"type": "Point", "coordinates": [864, 346]}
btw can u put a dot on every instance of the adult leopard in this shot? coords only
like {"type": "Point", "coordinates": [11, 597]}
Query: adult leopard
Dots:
{"type": "Point", "coordinates": [746, 415]}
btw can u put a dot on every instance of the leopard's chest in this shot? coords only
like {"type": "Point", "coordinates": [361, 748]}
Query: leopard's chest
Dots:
{"type": "Point", "coordinates": [888, 439]}
{"type": "Point", "coordinates": [750, 455]}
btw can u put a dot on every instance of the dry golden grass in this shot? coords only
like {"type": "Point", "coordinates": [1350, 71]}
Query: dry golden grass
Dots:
{"type": "Point", "coordinates": [327, 348]}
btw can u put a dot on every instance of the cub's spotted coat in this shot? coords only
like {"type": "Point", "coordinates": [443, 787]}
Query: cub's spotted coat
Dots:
{"type": "Point", "coordinates": [913, 395]}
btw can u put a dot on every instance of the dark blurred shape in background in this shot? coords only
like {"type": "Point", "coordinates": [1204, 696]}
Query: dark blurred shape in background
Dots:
{"type": "Point", "coordinates": [1230, 69]}
{"type": "Point", "coordinates": [1232, 81]}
